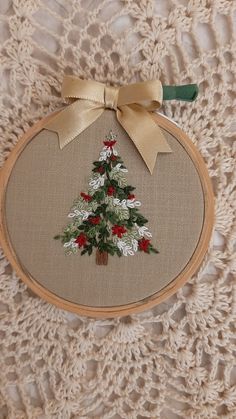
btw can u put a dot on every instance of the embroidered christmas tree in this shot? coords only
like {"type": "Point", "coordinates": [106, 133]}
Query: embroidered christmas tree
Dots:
{"type": "Point", "coordinates": [106, 217]}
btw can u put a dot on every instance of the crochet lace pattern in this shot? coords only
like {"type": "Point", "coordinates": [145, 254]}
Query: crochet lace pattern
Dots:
{"type": "Point", "coordinates": [178, 359]}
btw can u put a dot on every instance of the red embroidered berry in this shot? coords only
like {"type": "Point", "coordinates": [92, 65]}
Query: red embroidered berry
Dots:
{"type": "Point", "coordinates": [118, 230]}
{"type": "Point", "coordinates": [110, 190]}
{"type": "Point", "coordinates": [109, 144]}
{"type": "Point", "coordinates": [113, 157]}
{"type": "Point", "coordinates": [86, 197]}
{"type": "Point", "coordinates": [81, 240]}
{"type": "Point", "coordinates": [143, 245]}
{"type": "Point", "coordinates": [101, 170]}
{"type": "Point", "coordinates": [94, 220]}
{"type": "Point", "coordinates": [131, 196]}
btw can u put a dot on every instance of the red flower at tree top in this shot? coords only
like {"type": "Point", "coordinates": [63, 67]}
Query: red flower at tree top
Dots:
{"type": "Point", "coordinates": [118, 230]}
{"type": "Point", "coordinates": [143, 244]}
{"type": "Point", "coordinates": [86, 197]}
{"type": "Point", "coordinates": [131, 196]}
{"type": "Point", "coordinates": [109, 144]}
{"type": "Point", "coordinates": [100, 169]}
{"type": "Point", "coordinates": [110, 190]}
{"type": "Point", "coordinates": [94, 220]}
{"type": "Point", "coordinates": [81, 240]}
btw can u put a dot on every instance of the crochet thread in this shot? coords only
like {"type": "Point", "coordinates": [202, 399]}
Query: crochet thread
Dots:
{"type": "Point", "coordinates": [177, 360]}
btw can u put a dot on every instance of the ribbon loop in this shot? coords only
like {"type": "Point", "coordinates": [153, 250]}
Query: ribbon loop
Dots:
{"type": "Point", "coordinates": [131, 104]}
{"type": "Point", "coordinates": [148, 94]}
{"type": "Point", "coordinates": [111, 97]}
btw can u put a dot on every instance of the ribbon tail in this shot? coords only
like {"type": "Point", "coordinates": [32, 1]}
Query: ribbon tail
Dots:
{"type": "Point", "coordinates": [144, 132]}
{"type": "Point", "coordinates": [73, 120]}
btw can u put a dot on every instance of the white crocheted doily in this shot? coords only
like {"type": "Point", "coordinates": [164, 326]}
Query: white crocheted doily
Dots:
{"type": "Point", "coordinates": [177, 360]}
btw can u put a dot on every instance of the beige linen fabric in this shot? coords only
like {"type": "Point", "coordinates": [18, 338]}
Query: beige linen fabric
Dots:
{"type": "Point", "coordinates": [42, 187]}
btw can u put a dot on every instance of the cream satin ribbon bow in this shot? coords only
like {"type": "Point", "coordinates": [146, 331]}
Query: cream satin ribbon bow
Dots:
{"type": "Point", "coordinates": [132, 104]}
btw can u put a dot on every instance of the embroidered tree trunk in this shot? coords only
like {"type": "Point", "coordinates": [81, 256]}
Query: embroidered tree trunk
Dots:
{"type": "Point", "coordinates": [106, 217]}
{"type": "Point", "coordinates": [101, 258]}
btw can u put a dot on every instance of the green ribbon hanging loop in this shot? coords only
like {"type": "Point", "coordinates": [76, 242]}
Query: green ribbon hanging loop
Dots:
{"type": "Point", "coordinates": [186, 92]}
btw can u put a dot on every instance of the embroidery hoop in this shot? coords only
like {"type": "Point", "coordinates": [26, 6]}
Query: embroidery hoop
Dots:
{"type": "Point", "coordinates": [137, 306]}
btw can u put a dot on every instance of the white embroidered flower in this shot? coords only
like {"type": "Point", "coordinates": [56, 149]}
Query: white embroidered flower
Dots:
{"type": "Point", "coordinates": [118, 168]}
{"type": "Point", "coordinates": [97, 182]}
{"type": "Point", "coordinates": [104, 154]}
{"type": "Point", "coordinates": [116, 201]}
{"type": "Point", "coordinates": [135, 245]}
{"type": "Point", "coordinates": [111, 136]}
{"type": "Point", "coordinates": [73, 214]}
{"type": "Point", "coordinates": [124, 248]}
{"type": "Point", "coordinates": [131, 203]}
{"type": "Point", "coordinates": [126, 203]}
{"type": "Point", "coordinates": [143, 231]}
{"type": "Point", "coordinates": [71, 244]}
{"type": "Point", "coordinates": [115, 152]}
{"type": "Point", "coordinates": [84, 214]}
{"type": "Point", "coordinates": [107, 152]}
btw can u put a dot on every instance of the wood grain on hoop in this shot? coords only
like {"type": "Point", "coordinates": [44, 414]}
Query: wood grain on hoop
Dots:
{"type": "Point", "coordinates": [143, 304]}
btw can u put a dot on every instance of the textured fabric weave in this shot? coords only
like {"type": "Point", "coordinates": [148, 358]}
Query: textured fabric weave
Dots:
{"type": "Point", "coordinates": [177, 360]}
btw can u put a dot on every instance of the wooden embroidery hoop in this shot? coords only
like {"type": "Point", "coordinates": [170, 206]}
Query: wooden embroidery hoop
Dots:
{"type": "Point", "coordinates": [121, 310]}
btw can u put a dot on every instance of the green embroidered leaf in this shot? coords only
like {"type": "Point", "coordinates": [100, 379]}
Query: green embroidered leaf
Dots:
{"type": "Point", "coordinates": [119, 177]}
{"type": "Point", "coordinates": [99, 195]}
{"type": "Point", "coordinates": [91, 232]}
{"type": "Point", "coordinates": [97, 163]}
{"type": "Point", "coordinates": [104, 233]}
{"type": "Point", "coordinates": [114, 183]}
{"type": "Point", "coordinates": [112, 217]}
{"type": "Point", "coordinates": [93, 241]}
{"type": "Point", "coordinates": [153, 250]}
{"type": "Point", "coordinates": [140, 220]}
{"type": "Point", "coordinates": [129, 189]}
{"type": "Point", "coordinates": [118, 252]}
